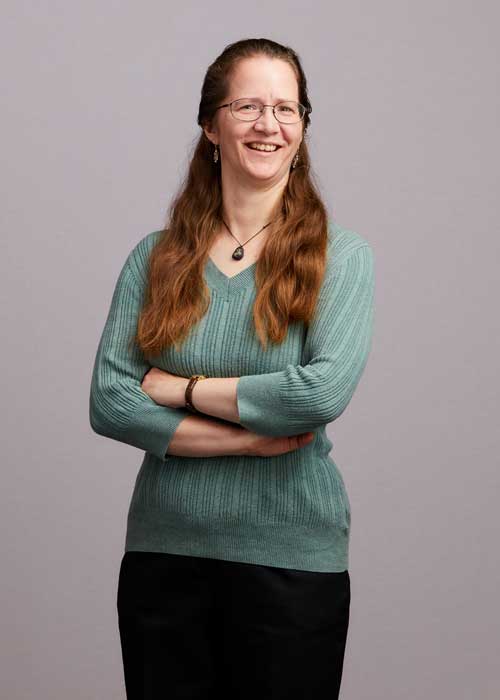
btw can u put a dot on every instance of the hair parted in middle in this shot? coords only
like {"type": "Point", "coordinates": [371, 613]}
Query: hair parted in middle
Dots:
{"type": "Point", "coordinates": [291, 264]}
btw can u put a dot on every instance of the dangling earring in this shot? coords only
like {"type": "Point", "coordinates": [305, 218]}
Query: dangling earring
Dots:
{"type": "Point", "coordinates": [216, 154]}
{"type": "Point", "coordinates": [296, 158]}
{"type": "Point", "coordinates": [294, 161]}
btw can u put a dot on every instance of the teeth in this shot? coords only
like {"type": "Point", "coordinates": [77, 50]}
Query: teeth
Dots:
{"type": "Point", "coordinates": [262, 147]}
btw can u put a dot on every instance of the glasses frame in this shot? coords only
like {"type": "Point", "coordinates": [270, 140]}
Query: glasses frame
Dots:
{"type": "Point", "coordinates": [307, 110]}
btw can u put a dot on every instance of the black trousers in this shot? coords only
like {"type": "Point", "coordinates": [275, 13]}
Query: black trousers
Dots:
{"type": "Point", "coordinates": [194, 627]}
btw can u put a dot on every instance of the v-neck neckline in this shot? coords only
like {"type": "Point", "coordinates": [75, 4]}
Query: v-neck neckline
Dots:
{"type": "Point", "coordinates": [229, 285]}
{"type": "Point", "coordinates": [244, 279]}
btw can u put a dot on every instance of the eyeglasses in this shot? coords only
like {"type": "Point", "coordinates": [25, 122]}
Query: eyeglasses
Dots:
{"type": "Point", "coordinates": [249, 109]}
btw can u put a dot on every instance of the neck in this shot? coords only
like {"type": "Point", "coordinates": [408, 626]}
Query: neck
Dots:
{"type": "Point", "coordinates": [247, 211]}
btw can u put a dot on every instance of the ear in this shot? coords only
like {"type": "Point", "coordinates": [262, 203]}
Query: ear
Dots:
{"type": "Point", "coordinates": [211, 133]}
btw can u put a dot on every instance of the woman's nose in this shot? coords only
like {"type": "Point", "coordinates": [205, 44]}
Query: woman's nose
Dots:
{"type": "Point", "coordinates": [268, 119]}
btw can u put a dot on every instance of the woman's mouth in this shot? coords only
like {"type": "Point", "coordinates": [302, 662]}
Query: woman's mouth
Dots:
{"type": "Point", "coordinates": [265, 151]}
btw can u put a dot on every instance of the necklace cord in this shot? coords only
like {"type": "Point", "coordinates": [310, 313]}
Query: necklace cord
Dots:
{"type": "Point", "coordinates": [239, 252]}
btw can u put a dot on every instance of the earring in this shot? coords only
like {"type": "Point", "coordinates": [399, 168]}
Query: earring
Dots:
{"type": "Point", "coordinates": [296, 158]}
{"type": "Point", "coordinates": [216, 154]}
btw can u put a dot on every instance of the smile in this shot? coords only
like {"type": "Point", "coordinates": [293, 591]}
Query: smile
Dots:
{"type": "Point", "coordinates": [263, 150]}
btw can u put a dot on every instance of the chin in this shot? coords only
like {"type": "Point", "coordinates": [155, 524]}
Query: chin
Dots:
{"type": "Point", "coordinates": [268, 177]}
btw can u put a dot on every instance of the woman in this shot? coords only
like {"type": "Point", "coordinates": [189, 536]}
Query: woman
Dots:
{"type": "Point", "coordinates": [255, 313]}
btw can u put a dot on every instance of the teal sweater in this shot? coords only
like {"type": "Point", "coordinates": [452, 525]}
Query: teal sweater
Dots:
{"type": "Point", "coordinates": [289, 511]}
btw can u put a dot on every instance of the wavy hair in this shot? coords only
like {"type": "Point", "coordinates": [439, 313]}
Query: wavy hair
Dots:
{"type": "Point", "coordinates": [291, 263]}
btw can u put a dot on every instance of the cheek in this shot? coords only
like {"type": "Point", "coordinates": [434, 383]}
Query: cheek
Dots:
{"type": "Point", "coordinates": [294, 139]}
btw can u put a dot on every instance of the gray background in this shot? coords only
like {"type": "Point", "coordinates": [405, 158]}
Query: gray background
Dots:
{"type": "Point", "coordinates": [99, 114]}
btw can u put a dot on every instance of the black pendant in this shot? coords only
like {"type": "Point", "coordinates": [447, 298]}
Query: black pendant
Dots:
{"type": "Point", "coordinates": [238, 253]}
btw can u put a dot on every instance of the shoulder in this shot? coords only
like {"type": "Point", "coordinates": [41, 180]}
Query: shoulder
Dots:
{"type": "Point", "coordinates": [137, 260]}
{"type": "Point", "coordinates": [344, 242]}
{"type": "Point", "coordinates": [350, 258]}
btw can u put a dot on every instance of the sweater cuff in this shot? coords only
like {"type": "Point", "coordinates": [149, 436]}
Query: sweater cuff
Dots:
{"type": "Point", "coordinates": [260, 408]}
{"type": "Point", "coordinates": [152, 427]}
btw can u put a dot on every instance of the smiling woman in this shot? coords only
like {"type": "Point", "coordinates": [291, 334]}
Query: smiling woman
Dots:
{"type": "Point", "coordinates": [234, 336]}
{"type": "Point", "coordinates": [275, 124]}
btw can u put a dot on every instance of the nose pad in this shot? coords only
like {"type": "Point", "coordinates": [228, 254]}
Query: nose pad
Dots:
{"type": "Point", "coordinates": [268, 119]}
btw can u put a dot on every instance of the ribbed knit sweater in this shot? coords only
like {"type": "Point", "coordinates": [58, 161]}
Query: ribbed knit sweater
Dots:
{"type": "Point", "coordinates": [290, 510]}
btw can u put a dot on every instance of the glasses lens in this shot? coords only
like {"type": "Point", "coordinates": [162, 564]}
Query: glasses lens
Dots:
{"type": "Point", "coordinates": [246, 110]}
{"type": "Point", "coordinates": [289, 112]}
{"type": "Point", "coordinates": [250, 110]}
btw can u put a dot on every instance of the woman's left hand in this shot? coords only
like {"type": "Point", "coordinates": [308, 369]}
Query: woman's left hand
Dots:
{"type": "Point", "coordinates": [164, 388]}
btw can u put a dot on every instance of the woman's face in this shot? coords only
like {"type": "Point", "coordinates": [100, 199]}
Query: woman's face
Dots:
{"type": "Point", "coordinates": [271, 81]}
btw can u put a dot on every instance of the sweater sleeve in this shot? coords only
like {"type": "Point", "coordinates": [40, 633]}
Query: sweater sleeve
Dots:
{"type": "Point", "coordinates": [118, 408]}
{"type": "Point", "coordinates": [301, 398]}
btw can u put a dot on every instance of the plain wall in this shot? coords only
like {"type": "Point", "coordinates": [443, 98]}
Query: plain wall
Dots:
{"type": "Point", "coordinates": [98, 118]}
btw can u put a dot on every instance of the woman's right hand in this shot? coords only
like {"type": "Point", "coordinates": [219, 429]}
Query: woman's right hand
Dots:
{"type": "Point", "coordinates": [266, 446]}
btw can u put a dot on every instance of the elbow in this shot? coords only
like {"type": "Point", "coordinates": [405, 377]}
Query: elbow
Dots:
{"type": "Point", "coordinates": [303, 418]}
{"type": "Point", "coordinates": [109, 409]}
{"type": "Point", "coordinates": [98, 418]}
{"type": "Point", "coordinates": [96, 421]}
{"type": "Point", "coordinates": [332, 415]}
{"type": "Point", "coordinates": [327, 412]}
{"type": "Point", "coordinates": [321, 413]}
{"type": "Point", "coordinates": [339, 402]}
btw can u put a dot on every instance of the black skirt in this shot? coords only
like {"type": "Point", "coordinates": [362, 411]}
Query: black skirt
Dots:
{"type": "Point", "coordinates": [194, 627]}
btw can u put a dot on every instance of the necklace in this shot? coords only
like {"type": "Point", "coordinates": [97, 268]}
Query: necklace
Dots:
{"type": "Point", "coordinates": [238, 252]}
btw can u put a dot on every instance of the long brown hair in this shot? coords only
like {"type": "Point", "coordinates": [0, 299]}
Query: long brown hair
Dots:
{"type": "Point", "coordinates": [291, 264]}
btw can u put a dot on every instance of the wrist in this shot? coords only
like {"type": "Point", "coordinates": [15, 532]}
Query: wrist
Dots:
{"type": "Point", "coordinates": [181, 393]}
{"type": "Point", "coordinates": [188, 394]}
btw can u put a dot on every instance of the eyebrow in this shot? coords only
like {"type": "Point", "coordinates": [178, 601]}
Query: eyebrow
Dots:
{"type": "Point", "coordinates": [278, 99]}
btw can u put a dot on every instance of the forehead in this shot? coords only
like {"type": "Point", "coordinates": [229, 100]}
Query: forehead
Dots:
{"type": "Point", "coordinates": [268, 78]}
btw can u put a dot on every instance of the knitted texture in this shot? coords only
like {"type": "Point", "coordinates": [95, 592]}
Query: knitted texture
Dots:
{"type": "Point", "coordinates": [289, 511]}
